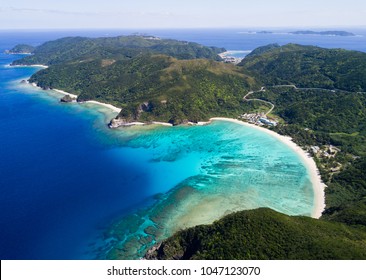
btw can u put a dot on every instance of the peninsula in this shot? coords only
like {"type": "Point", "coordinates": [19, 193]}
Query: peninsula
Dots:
{"type": "Point", "coordinates": [315, 95]}
{"type": "Point", "coordinates": [21, 49]}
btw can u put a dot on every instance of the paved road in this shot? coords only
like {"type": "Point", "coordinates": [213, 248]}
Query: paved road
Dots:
{"type": "Point", "coordinates": [256, 99]}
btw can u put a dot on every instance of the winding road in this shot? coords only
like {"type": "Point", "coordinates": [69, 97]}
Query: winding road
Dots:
{"type": "Point", "coordinates": [278, 86]}
{"type": "Point", "coordinates": [256, 99]}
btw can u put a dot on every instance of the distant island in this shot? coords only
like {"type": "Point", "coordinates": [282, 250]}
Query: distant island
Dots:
{"type": "Point", "coordinates": [323, 33]}
{"type": "Point", "coordinates": [316, 94]}
{"type": "Point", "coordinates": [304, 32]}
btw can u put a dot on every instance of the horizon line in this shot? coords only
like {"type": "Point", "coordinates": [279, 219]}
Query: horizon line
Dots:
{"type": "Point", "coordinates": [177, 28]}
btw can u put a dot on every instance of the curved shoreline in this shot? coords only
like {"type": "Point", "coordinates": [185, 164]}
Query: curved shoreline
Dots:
{"type": "Point", "coordinates": [318, 185]}
{"type": "Point", "coordinates": [32, 65]}
{"type": "Point", "coordinates": [109, 106]}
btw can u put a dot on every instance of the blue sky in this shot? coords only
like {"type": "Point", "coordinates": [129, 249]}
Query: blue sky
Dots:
{"type": "Point", "coordinates": [49, 14]}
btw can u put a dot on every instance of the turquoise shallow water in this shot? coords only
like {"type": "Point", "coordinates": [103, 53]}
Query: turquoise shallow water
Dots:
{"type": "Point", "coordinates": [74, 189]}
{"type": "Point", "coordinates": [203, 173]}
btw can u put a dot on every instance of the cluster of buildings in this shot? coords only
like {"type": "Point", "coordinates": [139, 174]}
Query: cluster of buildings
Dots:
{"type": "Point", "coordinates": [258, 119]}
{"type": "Point", "coordinates": [230, 59]}
{"type": "Point", "coordinates": [328, 151]}
{"type": "Point", "coordinates": [227, 58]}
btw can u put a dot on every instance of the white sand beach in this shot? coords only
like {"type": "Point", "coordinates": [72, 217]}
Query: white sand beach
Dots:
{"type": "Point", "coordinates": [318, 185]}
{"type": "Point", "coordinates": [162, 123]}
{"type": "Point", "coordinates": [109, 106]}
{"type": "Point", "coordinates": [114, 108]}
{"type": "Point", "coordinates": [39, 65]}
{"type": "Point", "coordinates": [65, 93]}
{"type": "Point", "coordinates": [33, 65]}
{"type": "Point", "coordinates": [57, 90]}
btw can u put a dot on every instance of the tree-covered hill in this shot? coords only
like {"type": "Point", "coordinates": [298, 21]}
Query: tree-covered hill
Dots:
{"type": "Point", "coordinates": [154, 87]}
{"type": "Point", "coordinates": [263, 49]}
{"type": "Point", "coordinates": [124, 47]}
{"type": "Point", "coordinates": [309, 66]}
{"type": "Point", "coordinates": [264, 234]}
{"type": "Point", "coordinates": [21, 49]}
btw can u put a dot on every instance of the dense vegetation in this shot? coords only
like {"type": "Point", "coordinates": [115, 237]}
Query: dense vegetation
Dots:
{"type": "Point", "coordinates": [310, 67]}
{"type": "Point", "coordinates": [264, 234]}
{"type": "Point", "coordinates": [21, 48]}
{"type": "Point", "coordinates": [154, 87]}
{"type": "Point", "coordinates": [323, 110]}
{"type": "Point", "coordinates": [72, 49]}
{"type": "Point", "coordinates": [263, 49]}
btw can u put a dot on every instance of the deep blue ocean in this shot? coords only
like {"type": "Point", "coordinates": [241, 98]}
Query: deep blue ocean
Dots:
{"type": "Point", "coordinates": [65, 178]}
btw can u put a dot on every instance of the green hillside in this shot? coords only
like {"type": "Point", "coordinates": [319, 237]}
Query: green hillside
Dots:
{"type": "Point", "coordinates": [71, 49]}
{"type": "Point", "coordinates": [264, 234]}
{"type": "Point", "coordinates": [155, 87]}
{"type": "Point", "coordinates": [308, 66]}
{"type": "Point", "coordinates": [21, 49]}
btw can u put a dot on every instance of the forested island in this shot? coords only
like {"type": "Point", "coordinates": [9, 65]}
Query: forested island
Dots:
{"type": "Point", "coordinates": [310, 32]}
{"type": "Point", "coordinates": [319, 100]}
{"type": "Point", "coordinates": [323, 33]}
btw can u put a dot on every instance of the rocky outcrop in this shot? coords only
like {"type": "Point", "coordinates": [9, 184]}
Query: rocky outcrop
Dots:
{"type": "Point", "coordinates": [151, 254]}
{"type": "Point", "coordinates": [67, 99]}
{"type": "Point", "coordinates": [162, 250]}
{"type": "Point", "coordinates": [118, 122]}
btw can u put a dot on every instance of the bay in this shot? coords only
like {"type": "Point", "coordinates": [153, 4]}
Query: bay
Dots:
{"type": "Point", "coordinates": [73, 189]}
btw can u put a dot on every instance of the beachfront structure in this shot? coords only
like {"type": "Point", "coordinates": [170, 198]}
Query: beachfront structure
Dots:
{"type": "Point", "coordinates": [267, 121]}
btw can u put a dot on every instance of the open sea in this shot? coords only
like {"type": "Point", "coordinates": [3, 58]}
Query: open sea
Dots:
{"type": "Point", "coordinates": [70, 188]}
